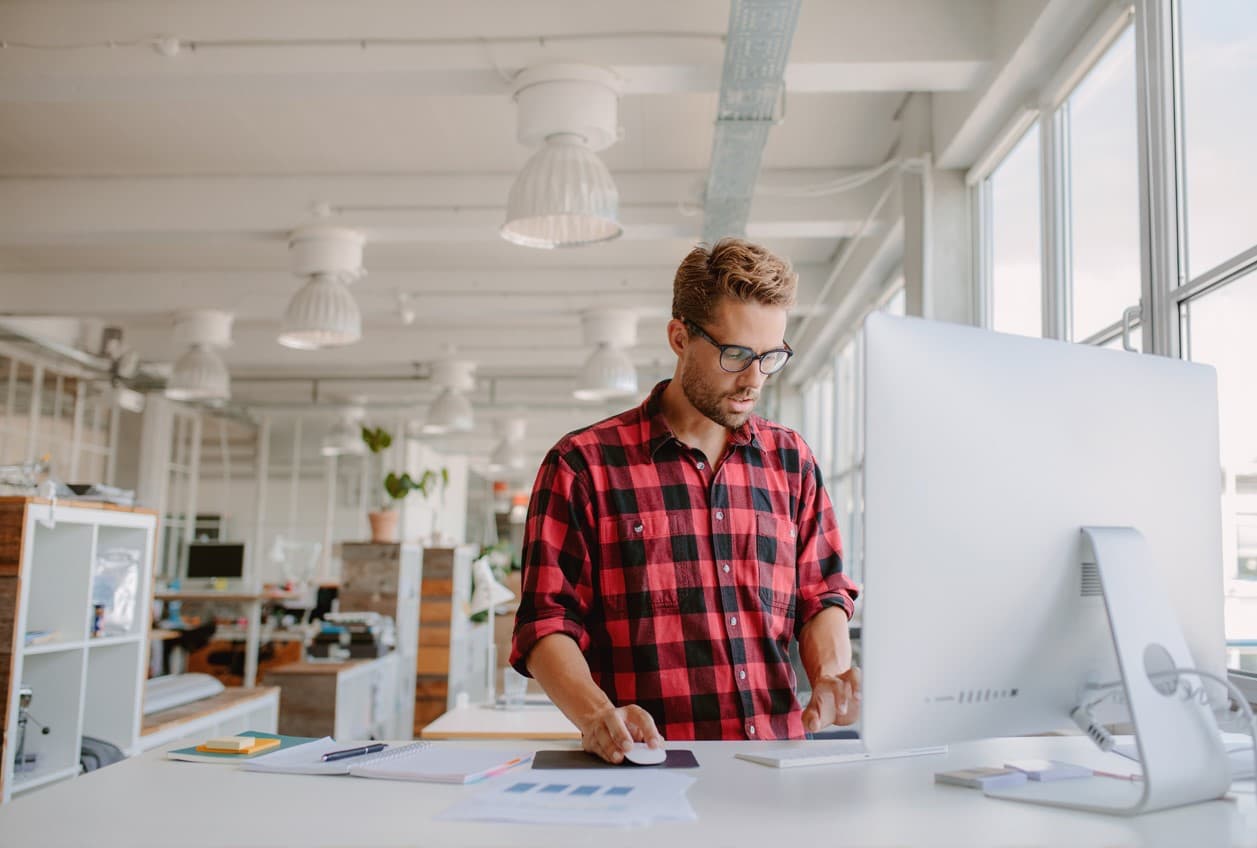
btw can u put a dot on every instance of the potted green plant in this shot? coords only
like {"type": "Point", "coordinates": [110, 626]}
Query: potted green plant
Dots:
{"type": "Point", "coordinates": [396, 487]}
{"type": "Point", "coordinates": [383, 520]}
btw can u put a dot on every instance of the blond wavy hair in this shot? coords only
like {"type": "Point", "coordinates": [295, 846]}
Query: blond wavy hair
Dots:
{"type": "Point", "coordinates": [733, 268]}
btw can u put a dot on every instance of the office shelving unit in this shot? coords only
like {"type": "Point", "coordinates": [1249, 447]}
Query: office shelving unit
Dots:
{"type": "Point", "coordinates": [81, 684]}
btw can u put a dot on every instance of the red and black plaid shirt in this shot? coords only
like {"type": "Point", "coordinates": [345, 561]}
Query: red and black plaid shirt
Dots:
{"type": "Point", "coordinates": [682, 586]}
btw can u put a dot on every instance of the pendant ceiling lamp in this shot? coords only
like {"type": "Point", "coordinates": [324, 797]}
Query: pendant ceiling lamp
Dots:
{"type": "Point", "coordinates": [508, 455]}
{"type": "Point", "coordinates": [609, 374]}
{"type": "Point", "coordinates": [344, 437]}
{"type": "Point", "coordinates": [451, 412]}
{"type": "Point", "coordinates": [323, 313]}
{"type": "Point", "coordinates": [200, 373]}
{"type": "Point", "coordinates": [564, 196]}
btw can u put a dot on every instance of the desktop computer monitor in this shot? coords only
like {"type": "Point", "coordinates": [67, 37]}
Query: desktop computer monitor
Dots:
{"type": "Point", "coordinates": [985, 456]}
{"type": "Point", "coordinates": [210, 560]}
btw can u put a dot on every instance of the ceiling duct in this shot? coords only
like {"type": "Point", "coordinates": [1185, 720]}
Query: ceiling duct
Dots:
{"type": "Point", "coordinates": [758, 45]}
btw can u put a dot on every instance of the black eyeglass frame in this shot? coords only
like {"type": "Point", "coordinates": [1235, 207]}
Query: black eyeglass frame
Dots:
{"type": "Point", "coordinates": [752, 356]}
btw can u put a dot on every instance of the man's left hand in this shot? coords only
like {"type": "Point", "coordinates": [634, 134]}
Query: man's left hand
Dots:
{"type": "Point", "coordinates": [835, 700]}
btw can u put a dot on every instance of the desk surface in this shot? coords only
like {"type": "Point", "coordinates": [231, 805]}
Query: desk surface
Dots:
{"type": "Point", "coordinates": [481, 722]}
{"type": "Point", "coordinates": [224, 596]}
{"type": "Point", "coordinates": [151, 801]}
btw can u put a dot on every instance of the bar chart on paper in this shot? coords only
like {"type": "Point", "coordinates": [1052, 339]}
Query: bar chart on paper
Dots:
{"type": "Point", "coordinates": [574, 797]}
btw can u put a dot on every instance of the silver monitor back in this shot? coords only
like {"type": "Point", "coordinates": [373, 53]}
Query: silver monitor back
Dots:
{"type": "Point", "coordinates": [984, 456]}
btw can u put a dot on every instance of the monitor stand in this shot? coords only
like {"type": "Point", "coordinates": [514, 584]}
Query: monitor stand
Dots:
{"type": "Point", "coordinates": [1184, 761]}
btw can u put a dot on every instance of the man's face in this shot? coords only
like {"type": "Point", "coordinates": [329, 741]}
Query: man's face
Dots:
{"type": "Point", "coordinates": [729, 399]}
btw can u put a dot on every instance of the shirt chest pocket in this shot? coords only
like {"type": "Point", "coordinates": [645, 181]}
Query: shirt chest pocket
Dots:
{"type": "Point", "coordinates": [648, 563]}
{"type": "Point", "coordinates": [774, 549]}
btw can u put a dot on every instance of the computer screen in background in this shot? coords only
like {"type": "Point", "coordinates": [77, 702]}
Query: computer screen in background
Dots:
{"type": "Point", "coordinates": [215, 559]}
{"type": "Point", "coordinates": [985, 456]}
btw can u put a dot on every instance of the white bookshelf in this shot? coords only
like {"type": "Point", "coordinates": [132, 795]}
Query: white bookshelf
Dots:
{"type": "Point", "coordinates": [82, 684]}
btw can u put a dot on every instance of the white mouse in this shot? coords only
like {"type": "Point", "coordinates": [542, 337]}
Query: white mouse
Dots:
{"type": "Point", "coordinates": [641, 755]}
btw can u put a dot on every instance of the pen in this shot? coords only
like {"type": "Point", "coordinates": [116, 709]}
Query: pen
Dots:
{"type": "Point", "coordinates": [353, 752]}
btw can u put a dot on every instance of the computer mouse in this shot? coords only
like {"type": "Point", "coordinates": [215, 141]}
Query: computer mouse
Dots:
{"type": "Point", "coordinates": [641, 755]}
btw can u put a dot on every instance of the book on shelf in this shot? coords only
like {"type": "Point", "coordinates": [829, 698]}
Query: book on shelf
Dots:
{"type": "Point", "coordinates": [431, 762]}
{"type": "Point", "coordinates": [40, 637]}
{"type": "Point", "coordinates": [268, 743]}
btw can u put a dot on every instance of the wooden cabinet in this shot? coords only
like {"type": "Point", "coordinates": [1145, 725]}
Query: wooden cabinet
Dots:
{"type": "Point", "coordinates": [452, 649]}
{"type": "Point", "coordinates": [84, 668]}
{"type": "Point", "coordinates": [385, 578]}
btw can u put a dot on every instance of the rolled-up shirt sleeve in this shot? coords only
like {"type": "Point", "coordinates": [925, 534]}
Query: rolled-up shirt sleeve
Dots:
{"type": "Point", "coordinates": [822, 582]}
{"type": "Point", "coordinates": [556, 581]}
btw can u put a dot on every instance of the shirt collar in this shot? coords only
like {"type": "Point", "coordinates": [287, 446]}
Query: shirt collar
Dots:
{"type": "Point", "coordinates": [656, 433]}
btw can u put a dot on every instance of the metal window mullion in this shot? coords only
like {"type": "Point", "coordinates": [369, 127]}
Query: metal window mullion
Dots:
{"type": "Point", "coordinates": [294, 478]}
{"type": "Point", "coordinates": [76, 431]}
{"type": "Point", "coordinates": [1162, 237]}
{"type": "Point", "coordinates": [1240, 265]}
{"type": "Point", "coordinates": [111, 457]}
{"type": "Point", "coordinates": [33, 414]}
{"type": "Point", "coordinates": [1054, 231]}
{"type": "Point", "coordinates": [982, 203]}
{"type": "Point", "coordinates": [194, 477]}
{"type": "Point", "coordinates": [260, 493]}
{"type": "Point", "coordinates": [54, 424]}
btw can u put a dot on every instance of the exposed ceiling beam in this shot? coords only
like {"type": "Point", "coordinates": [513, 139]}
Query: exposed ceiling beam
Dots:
{"type": "Point", "coordinates": [458, 50]}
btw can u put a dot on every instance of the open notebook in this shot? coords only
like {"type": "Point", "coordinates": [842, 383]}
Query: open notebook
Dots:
{"type": "Point", "coordinates": [425, 761]}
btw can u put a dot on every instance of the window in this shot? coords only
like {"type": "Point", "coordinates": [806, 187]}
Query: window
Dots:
{"type": "Point", "coordinates": [1219, 333]}
{"type": "Point", "coordinates": [1220, 123]}
{"type": "Point", "coordinates": [1104, 190]}
{"type": "Point", "coordinates": [1016, 258]}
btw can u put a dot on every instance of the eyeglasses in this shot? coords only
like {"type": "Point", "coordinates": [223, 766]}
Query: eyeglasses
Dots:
{"type": "Point", "coordinates": [735, 358]}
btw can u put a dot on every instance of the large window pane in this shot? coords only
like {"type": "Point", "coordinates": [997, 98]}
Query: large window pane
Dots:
{"type": "Point", "coordinates": [1220, 123]}
{"type": "Point", "coordinates": [1016, 305]}
{"type": "Point", "coordinates": [1104, 190]}
{"type": "Point", "coordinates": [1220, 325]}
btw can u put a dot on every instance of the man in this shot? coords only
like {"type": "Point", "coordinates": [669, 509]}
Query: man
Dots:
{"type": "Point", "coordinates": [672, 553]}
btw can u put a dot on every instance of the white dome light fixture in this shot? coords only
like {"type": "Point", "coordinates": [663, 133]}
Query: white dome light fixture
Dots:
{"type": "Point", "coordinates": [451, 412]}
{"type": "Point", "coordinates": [323, 313]}
{"type": "Point", "coordinates": [564, 196]}
{"type": "Point", "coordinates": [508, 455]}
{"type": "Point", "coordinates": [609, 374]}
{"type": "Point", "coordinates": [344, 437]}
{"type": "Point", "coordinates": [200, 373]}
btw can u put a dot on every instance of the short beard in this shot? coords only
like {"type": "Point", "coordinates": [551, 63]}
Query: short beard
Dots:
{"type": "Point", "coordinates": [707, 400]}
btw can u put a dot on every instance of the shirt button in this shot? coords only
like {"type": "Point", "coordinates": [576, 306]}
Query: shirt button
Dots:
{"type": "Point", "coordinates": [725, 566]}
{"type": "Point", "coordinates": [700, 466]}
{"type": "Point", "coordinates": [733, 621]}
{"type": "Point", "coordinates": [720, 516]}
{"type": "Point", "coordinates": [751, 730]}
{"type": "Point", "coordinates": [638, 528]}
{"type": "Point", "coordinates": [742, 674]}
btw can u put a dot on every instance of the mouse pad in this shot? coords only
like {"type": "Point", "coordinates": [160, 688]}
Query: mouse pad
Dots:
{"type": "Point", "coordinates": [677, 758]}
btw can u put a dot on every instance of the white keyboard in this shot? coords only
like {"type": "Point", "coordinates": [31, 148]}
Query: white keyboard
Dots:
{"type": "Point", "coordinates": [830, 753]}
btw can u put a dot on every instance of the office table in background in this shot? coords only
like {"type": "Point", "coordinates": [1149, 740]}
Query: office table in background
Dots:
{"type": "Point", "coordinates": [478, 721]}
{"type": "Point", "coordinates": [252, 602]}
{"type": "Point", "coordinates": [152, 801]}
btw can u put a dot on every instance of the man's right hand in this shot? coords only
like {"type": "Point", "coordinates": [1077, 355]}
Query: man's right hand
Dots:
{"type": "Point", "coordinates": [611, 732]}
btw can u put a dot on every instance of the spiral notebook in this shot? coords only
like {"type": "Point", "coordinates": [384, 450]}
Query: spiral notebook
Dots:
{"type": "Point", "coordinates": [424, 761]}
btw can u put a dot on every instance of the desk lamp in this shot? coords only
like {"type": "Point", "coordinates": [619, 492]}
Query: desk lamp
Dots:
{"type": "Point", "coordinates": [487, 593]}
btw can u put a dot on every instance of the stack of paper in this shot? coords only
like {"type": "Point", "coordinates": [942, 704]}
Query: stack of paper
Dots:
{"type": "Point", "coordinates": [613, 797]}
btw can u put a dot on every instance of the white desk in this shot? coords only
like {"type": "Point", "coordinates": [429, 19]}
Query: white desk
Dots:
{"type": "Point", "coordinates": [151, 801]}
{"type": "Point", "coordinates": [486, 722]}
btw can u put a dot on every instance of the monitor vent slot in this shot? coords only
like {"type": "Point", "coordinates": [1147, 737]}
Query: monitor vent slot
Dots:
{"type": "Point", "coordinates": [1090, 586]}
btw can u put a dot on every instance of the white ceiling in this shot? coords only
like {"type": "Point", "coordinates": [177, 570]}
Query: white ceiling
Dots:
{"type": "Point", "coordinates": [133, 184]}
